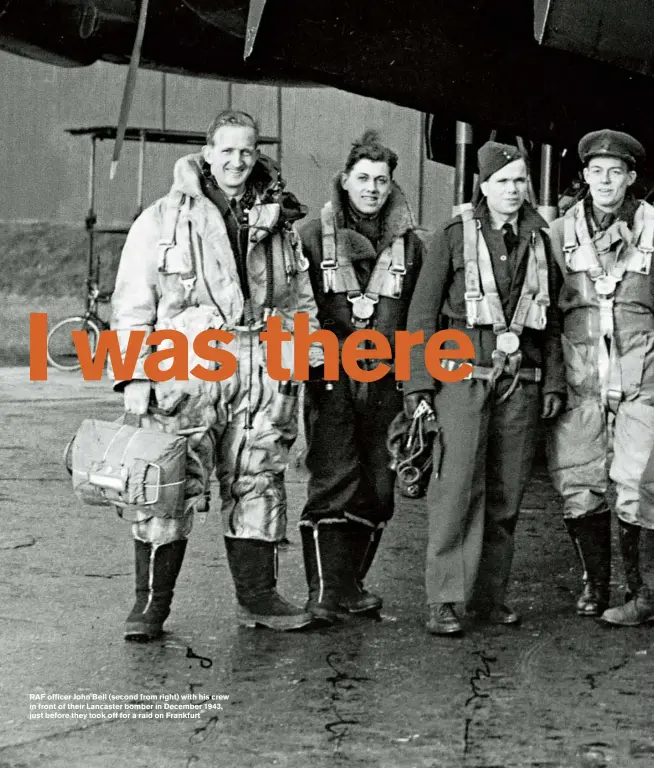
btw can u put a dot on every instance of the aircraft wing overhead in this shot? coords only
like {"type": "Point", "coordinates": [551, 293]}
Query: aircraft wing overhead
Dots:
{"type": "Point", "coordinates": [621, 33]}
{"type": "Point", "coordinates": [550, 69]}
{"type": "Point", "coordinates": [472, 60]}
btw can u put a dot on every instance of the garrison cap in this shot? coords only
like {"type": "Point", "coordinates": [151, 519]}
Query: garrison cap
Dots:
{"type": "Point", "coordinates": [608, 143]}
{"type": "Point", "coordinates": [492, 156]}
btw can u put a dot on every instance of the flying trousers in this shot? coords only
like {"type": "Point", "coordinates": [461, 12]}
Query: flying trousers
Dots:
{"type": "Point", "coordinates": [347, 421]}
{"type": "Point", "coordinates": [607, 306]}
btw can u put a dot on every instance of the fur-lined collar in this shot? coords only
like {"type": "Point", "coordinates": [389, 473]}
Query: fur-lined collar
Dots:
{"type": "Point", "coordinates": [188, 172]}
{"type": "Point", "coordinates": [396, 217]}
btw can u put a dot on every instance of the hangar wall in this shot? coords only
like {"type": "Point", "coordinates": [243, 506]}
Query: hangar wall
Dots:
{"type": "Point", "coordinates": [44, 170]}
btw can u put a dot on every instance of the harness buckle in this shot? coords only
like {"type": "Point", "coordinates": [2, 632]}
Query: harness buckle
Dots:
{"type": "Point", "coordinates": [188, 282]}
{"type": "Point", "coordinates": [613, 399]}
{"type": "Point", "coordinates": [363, 308]}
{"type": "Point", "coordinates": [507, 342]}
{"type": "Point", "coordinates": [605, 285]}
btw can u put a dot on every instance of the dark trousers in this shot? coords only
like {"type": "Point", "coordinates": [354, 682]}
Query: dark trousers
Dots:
{"type": "Point", "coordinates": [473, 504]}
{"type": "Point", "coordinates": [347, 458]}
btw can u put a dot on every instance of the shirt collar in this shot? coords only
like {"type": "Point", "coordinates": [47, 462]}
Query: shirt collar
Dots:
{"type": "Point", "coordinates": [487, 218]}
{"type": "Point", "coordinates": [626, 212]}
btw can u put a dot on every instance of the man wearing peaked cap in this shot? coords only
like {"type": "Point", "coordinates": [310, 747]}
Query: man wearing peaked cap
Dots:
{"type": "Point", "coordinates": [603, 246]}
{"type": "Point", "coordinates": [608, 143]}
{"type": "Point", "coordinates": [488, 421]}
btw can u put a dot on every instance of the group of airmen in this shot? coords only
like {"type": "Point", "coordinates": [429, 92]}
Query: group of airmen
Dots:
{"type": "Point", "coordinates": [561, 318]}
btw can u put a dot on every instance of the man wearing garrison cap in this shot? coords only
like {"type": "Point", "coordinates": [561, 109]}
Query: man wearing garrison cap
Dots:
{"type": "Point", "coordinates": [603, 246]}
{"type": "Point", "coordinates": [489, 274]}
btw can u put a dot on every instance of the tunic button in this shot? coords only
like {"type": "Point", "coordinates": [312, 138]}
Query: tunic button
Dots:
{"type": "Point", "coordinates": [502, 257]}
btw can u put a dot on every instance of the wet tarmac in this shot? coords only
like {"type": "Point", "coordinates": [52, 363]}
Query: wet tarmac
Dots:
{"type": "Point", "coordinates": [558, 691]}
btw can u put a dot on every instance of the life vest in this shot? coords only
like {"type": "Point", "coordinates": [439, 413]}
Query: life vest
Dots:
{"type": "Point", "coordinates": [582, 254]}
{"type": "Point", "coordinates": [176, 250]}
{"type": "Point", "coordinates": [338, 274]}
{"type": "Point", "coordinates": [604, 275]}
{"type": "Point", "coordinates": [483, 302]}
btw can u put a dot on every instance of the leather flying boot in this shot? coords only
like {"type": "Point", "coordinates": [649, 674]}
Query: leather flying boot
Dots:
{"type": "Point", "coordinates": [591, 537]}
{"type": "Point", "coordinates": [328, 567]}
{"type": "Point", "coordinates": [442, 620]}
{"type": "Point", "coordinates": [639, 606]}
{"type": "Point", "coordinates": [364, 541]}
{"type": "Point", "coordinates": [253, 564]}
{"type": "Point", "coordinates": [156, 569]}
{"type": "Point", "coordinates": [638, 610]}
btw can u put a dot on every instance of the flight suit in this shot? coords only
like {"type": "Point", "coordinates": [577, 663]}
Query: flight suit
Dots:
{"type": "Point", "coordinates": [607, 431]}
{"type": "Point", "coordinates": [191, 263]}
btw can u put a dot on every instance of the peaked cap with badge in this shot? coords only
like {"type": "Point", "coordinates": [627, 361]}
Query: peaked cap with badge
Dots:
{"type": "Point", "coordinates": [609, 143]}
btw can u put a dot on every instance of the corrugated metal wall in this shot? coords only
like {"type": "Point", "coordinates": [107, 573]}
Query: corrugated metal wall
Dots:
{"type": "Point", "coordinates": [44, 170]}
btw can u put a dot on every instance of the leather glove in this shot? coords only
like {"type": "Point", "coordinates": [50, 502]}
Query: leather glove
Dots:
{"type": "Point", "coordinates": [413, 400]}
{"type": "Point", "coordinates": [553, 405]}
{"type": "Point", "coordinates": [137, 396]}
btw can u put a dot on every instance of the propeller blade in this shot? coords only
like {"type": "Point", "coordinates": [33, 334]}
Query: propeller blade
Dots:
{"type": "Point", "coordinates": [255, 13]}
{"type": "Point", "coordinates": [130, 87]}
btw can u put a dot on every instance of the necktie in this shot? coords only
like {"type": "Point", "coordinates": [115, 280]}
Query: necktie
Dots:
{"type": "Point", "coordinates": [510, 238]}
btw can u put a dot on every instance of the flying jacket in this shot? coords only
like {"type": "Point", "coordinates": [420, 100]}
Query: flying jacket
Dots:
{"type": "Point", "coordinates": [334, 309]}
{"type": "Point", "coordinates": [624, 250]}
{"type": "Point", "coordinates": [153, 290]}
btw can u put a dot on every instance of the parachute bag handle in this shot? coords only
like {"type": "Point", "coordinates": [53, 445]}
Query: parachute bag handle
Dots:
{"type": "Point", "coordinates": [130, 420]}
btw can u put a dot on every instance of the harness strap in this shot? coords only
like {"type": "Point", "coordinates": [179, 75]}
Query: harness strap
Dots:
{"type": "Point", "coordinates": [610, 375]}
{"type": "Point", "coordinates": [174, 203]}
{"type": "Point", "coordinates": [337, 273]}
{"type": "Point", "coordinates": [534, 297]}
{"type": "Point", "coordinates": [579, 243]}
{"type": "Point", "coordinates": [486, 308]}
{"type": "Point", "coordinates": [391, 260]}
{"type": "Point", "coordinates": [569, 232]}
{"type": "Point", "coordinates": [472, 294]}
{"type": "Point", "coordinates": [488, 374]}
{"type": "Point", "coordinates": [543, 295]}
{"type": "Point", "coordinates": [491, 294]}
{"type": "Point", "coordinates": [646, 239]}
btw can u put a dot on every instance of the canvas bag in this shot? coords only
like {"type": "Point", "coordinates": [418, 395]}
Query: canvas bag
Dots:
{"type": "Point", "coordinates": [129, 467]}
